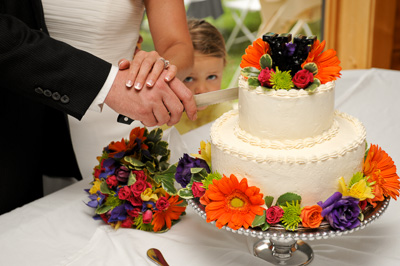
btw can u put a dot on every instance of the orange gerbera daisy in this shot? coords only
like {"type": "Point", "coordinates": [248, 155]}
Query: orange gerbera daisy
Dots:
{"type": "Point", "coordinates": [117, 147]}
{"type": "Point", "coordinates": [233, 203]}
{"type": "Point", "coordinates": [380, 168]}
{"type": "Point", "coordinates": [253, 54]}
{"type": "Point", "coordinates": [137, 132]}
{"type": "Point", "coordinates": [165, 217]}
{"type": "Point", "coordinates": [327, 62]}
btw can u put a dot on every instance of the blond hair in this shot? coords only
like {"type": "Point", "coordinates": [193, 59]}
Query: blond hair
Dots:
{"type": "Point", "coordinates": [206, 39]}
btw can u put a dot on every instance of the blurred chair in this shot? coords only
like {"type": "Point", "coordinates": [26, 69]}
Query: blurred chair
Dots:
{"type": "Point", "coordinates": [203, 8]}
{"type": "Point", "coordinates": [240, 9]}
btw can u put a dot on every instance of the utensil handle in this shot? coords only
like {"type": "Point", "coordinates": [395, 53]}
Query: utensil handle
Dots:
{"type": "Point", "coordinates": [124, 119]}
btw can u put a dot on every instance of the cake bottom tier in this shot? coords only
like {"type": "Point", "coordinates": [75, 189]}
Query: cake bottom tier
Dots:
{"type": "Point", "coordinates": [312, 172]}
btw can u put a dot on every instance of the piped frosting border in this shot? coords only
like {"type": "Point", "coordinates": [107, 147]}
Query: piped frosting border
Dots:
{"type": "Point", "coordinates": [220, 144]}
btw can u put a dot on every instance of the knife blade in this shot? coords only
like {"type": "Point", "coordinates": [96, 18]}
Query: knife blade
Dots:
{"type": "Point", "coordinates": [203, 99]}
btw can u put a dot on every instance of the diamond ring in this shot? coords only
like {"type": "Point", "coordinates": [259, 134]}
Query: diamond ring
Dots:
{"type": "Point", "coordinates": [166, 62]}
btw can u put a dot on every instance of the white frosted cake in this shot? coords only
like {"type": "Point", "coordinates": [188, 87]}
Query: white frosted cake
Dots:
{"type": "Point", "coordinates": [288, 141]}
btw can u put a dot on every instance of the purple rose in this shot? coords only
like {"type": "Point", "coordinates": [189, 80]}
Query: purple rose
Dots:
{"type": "Point", "coordinates": [341, 212]}
{"type": "Point", "coordinates": [183, 174]}
{"type": "Point", "coordinates": [122, 174]}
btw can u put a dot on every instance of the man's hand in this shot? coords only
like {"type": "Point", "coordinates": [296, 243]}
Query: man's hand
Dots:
{"type": "Point", "coordinates": [161, 104]}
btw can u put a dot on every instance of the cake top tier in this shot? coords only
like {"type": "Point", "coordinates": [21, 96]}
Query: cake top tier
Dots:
{"type": "Point", "coordinates": [275, 61]}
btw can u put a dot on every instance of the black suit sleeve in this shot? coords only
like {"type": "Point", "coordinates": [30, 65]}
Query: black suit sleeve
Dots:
{"type": "Point", "coordinates": [46, 70]}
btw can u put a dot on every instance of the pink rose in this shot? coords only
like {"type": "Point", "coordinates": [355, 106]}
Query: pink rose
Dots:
{"type": "Point", "coordinates": [139, 186]}
{"type": "Point", "coordinates": [135, 201]}
{"type": "Point", "coordinates": [147, 216]}
{"type": "Point", "coordinates": [198, 189]}
{"type": "Point", "coordinates": [162, 204]}
{"type": "Point", "coordinates": [265, 76]}
{"type": "Point", "coordinates": [274, 214]}
{"type": "Point", "coordinates": [140, 175]}
{"type": "Point", "coordinates": [112, 181]}
{"type": "Point", "coordinates": [124, 193]}
{"type": "Point", "coordinates": [302, 78]}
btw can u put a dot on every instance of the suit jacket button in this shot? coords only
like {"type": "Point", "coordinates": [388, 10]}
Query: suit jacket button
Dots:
{"type": "Point", "coordinates": [39, 90]}
{"type": "Point", "coordinates": [47, 93]}
{"type": "Point", "coordinates": [56, 96]}
{"type": "Point", "coordinates": [64, 99]}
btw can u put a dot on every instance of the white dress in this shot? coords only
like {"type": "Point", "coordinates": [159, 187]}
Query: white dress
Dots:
{"type": "Point", "coordinates": [108, 29]}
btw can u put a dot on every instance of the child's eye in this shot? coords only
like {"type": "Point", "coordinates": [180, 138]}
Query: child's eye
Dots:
{"type": "Point", "coordinates": [212, 77]}
{"type": "Point", "coordinates": [188, 79]}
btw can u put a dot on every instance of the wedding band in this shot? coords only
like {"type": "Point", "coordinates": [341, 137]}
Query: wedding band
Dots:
{"type": "Point", "coordinates": [166, 62]}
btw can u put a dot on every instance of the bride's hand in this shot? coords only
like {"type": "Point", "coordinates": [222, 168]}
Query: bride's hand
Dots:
{"type": "Point", "coordinates": [146, 67]}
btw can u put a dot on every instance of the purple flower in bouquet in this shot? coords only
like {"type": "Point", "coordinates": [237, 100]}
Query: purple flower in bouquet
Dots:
{"type": "Point", "coordinates": [341, 212]}
{"type": "Point", "coordinates": [183, 174]}
{"type": "Point", "coordinates": [107, 168]}
{"type": "Point", "coordinates": [122, 174]}
{"type": "Point", "coordinates": [119, 213]}
{"type": "Point", "coordinates": [95, 200]}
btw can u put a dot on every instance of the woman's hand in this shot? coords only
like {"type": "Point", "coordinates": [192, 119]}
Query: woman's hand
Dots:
{"type": "Point", "coordinates": [146, 68]}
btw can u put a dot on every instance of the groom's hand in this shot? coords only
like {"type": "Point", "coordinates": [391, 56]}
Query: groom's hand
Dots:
{"type": "Point", "coordinates": [161, 104]}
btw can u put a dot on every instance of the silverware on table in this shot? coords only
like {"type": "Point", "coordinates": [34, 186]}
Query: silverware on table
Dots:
{"type": "Point", "coordinates": [156, 256]}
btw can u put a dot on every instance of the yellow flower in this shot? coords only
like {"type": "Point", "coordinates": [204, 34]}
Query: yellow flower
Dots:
{"type": "Point", "coordinates": [359, 189]}
{"type": "Point", "coordinates": [204, 152]}
{"type": "Point", "coordinates": [95, 187]}
{"type": "Point", "coordinates": [148, 195]}
{"type": "Point", "coordinates": [160, 192]}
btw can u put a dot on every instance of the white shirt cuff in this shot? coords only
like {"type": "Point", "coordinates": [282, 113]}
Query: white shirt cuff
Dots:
{"type": "Point", "coordinates": [97, 104]}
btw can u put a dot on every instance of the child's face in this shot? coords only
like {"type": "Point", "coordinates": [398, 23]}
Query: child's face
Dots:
{"type": "Point", "coordinates": [206, 75]}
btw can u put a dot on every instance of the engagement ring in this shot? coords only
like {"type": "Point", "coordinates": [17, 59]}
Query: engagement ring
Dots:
{"type": "Point", "coordinates": [166, 62]}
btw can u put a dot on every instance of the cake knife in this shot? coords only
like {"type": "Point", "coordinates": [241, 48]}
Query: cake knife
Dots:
{"type": "Point", "coordinates": [203, 99]}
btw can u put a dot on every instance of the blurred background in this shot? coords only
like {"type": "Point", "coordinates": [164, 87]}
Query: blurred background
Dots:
{"type": "Point", "coordinates": [365, 33]}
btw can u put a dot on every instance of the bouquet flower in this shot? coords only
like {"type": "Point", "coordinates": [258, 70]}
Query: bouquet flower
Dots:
{"type": "Point", "coordinates": [133, 185]}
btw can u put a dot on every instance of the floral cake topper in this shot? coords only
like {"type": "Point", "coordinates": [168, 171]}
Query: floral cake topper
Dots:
{"type": "Point", "coordinates": [278, 62]}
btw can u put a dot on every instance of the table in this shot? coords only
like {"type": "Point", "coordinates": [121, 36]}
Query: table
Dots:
{"type": "Point", "coordinates": [59, 230]}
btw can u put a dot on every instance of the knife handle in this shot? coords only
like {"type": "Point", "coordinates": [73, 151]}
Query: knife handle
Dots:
{"type": "Point", "coordinates": [124, 119]}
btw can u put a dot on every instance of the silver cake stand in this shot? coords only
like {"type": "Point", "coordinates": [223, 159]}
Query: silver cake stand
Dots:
{"type": "Point", "coordinates": [281, 247]}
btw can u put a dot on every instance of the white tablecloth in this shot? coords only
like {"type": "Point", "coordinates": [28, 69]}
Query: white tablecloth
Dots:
{"type": "Point", "coordinates": [59, 230]}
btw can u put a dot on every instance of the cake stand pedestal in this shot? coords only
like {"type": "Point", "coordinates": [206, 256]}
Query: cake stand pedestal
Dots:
{"type": "Point", "coordinates": [281, 247]}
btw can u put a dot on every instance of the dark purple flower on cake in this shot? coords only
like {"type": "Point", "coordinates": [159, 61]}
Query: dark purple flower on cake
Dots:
{"type": "Point", "coordinates": [265, 77]}
{"type": "Point", "coordinates": [290, 48]}
{"type": "Point", "coordinates": [183, 174]}
{"type": "Point", "coordinates": [122, 174]}
{"type": "Point", "coordinates": [303, 78]}
{"type": "Point", "coordinates": [341, 212]}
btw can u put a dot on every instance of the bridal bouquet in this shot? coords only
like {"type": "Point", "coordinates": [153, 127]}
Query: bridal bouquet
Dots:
{"type": "Point", "coordinates": [133, 184]}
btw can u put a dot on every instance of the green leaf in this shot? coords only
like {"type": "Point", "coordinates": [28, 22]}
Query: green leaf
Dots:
{"type": "Point", "coordinates": [161, 148]}
{"type": "Point", "coordinates": [104, 188]}
{"type": "Point", "coordinates": [288, 197]}
{"type": "Point", "coordinates": [133, 161]}
{"type": "Point", "coordinates": [259, 220]}
{"type": "Point", "coordinates": [313, 86]}
{"type": "Point", "coordinates": [185, 193]}
{"type": "Point", "coordinates": [103, 209]}
{"type": "Point", "coordinates": [155, 135]}
{"type": "Point", "coordinates": [253, 82]}
{"type": "Point", "coordinates": [131, 179]}
{"type": "Point", "coordinates": [265, 226]}
{"type": "Point", "coordinates": [356, 177]}
{"type": "Point", "coordinates": [268, 200]}
{"type": "Point", "coordinates": [150, 167]}
{"type": "Point", "coordinates": [168, 184]}
{"type": "Point", "coordinates": [265, 61]}
{"type": "Point", "coordinates": [250, 72]}
{"type": "Point", "coordinates": [196, 170]}
{"type": "Point", "coordinates": [312, 67]}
